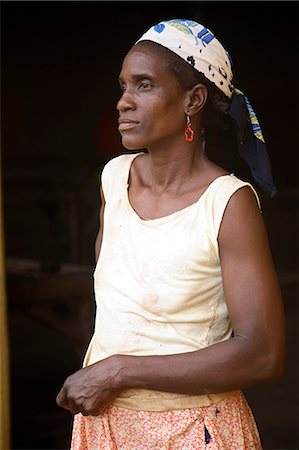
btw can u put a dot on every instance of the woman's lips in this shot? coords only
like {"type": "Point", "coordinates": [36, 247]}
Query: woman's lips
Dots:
{"type": "Point", "coordinates": [125, 124]}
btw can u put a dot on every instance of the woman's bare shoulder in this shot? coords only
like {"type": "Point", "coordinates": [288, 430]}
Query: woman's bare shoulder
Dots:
{"type": "Point", "coordinates": [210, 172]}
{"type": "Point", "coordinates": [215, 171]}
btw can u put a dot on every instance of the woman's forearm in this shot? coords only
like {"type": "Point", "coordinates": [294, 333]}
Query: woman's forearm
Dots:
{"type": "Point", "coordinates": [225, 366]}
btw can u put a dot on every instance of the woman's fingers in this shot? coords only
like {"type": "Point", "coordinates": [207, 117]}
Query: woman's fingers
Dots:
{"type": "Point", "coordinates": [86, 408]}
{"type": "Point", "coordinates": [89, 390]}
{"type": "Point", "coordinates": [61, 398]}
{"type": "Point", "coordinates": [73, 408]}
{"type": "Point", "coordinates": [65, 402]}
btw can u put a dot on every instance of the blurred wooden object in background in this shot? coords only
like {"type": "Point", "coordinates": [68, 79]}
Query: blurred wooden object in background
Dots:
{"type": "Point", "coordinates": [4, 376]}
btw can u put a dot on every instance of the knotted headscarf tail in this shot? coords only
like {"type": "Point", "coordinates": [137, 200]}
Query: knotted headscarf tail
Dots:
{"type": "Point", "coordinates": [199, 47]}
{"type": "Point", "coordinates": [251, 143]}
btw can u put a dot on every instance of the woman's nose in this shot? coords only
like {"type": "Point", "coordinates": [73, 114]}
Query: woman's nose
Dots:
{"type": "Point", "coordinates": [126, 101]}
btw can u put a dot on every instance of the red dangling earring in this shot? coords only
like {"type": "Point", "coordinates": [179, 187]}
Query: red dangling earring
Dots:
{"type": "Point", "coordinates": [189, 133]}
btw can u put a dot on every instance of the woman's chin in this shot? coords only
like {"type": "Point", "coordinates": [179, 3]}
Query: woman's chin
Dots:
{"type": "Point", "coordinates": [132, 145]}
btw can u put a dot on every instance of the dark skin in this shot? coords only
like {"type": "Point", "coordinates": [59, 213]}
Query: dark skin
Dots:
{"type": "Point", "coordinates": [173, 175]}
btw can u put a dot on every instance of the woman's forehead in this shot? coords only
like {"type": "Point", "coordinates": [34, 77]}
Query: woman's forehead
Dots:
{"type": "Point", "coordinates": [144, 61]}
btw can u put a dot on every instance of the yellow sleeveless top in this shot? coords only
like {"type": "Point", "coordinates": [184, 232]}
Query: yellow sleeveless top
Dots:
{"type": "Point", "coordinates": [158, 284]}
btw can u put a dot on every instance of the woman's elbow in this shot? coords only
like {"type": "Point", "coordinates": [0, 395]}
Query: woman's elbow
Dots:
{"type": "Point", "coordinates": [273, 365]}
{"type": "Point", "coordinates": [277, 369]}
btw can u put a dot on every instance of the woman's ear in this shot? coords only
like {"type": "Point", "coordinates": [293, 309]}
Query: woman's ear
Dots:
{"type": "Point", "coordinates": [196, 99]}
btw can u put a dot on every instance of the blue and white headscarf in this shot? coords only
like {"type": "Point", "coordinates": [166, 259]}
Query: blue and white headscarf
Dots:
{"type": "Point", "coordinates": [199, 47]}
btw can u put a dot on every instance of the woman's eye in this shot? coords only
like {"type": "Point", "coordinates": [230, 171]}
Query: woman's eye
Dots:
{"type": "Point", "coordinates": [145, 85]}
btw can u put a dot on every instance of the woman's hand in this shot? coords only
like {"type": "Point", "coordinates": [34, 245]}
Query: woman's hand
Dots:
{"type": "Point", "coordinates": [91, 389]}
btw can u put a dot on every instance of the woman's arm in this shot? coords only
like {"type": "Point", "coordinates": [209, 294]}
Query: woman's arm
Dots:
{"type": "Point", "coordinates": [99, 238]}
{"type": "Point", "coordinates": [254, 354]}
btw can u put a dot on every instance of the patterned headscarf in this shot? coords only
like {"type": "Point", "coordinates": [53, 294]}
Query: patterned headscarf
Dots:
{"type": "Point", "coordinates": [199, 47]}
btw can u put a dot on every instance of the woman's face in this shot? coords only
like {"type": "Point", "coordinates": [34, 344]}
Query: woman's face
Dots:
{"type": "Point", "coordinates": [151, 108]}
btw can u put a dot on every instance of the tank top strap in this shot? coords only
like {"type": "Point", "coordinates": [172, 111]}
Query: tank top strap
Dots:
{"type": "Point", "coordinates": [114, 176]}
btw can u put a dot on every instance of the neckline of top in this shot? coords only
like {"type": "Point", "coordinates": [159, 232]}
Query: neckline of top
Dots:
{"type": "Point", "coordinates": [171, 215]}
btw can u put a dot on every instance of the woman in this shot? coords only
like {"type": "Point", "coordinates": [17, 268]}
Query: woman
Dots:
{"type": "Point", "coordinates": [189, 309]}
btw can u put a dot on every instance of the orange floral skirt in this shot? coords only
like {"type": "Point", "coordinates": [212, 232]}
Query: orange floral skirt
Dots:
{"type": "Point", "coordinates": [227, 425]}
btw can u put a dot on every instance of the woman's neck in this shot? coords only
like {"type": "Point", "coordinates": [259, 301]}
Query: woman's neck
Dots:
{"type": "Point", "coordinates": [170, 168]}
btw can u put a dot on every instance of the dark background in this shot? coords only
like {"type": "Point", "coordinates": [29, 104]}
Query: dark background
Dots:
{"type": "Point", "coordinates": [60, 64]}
